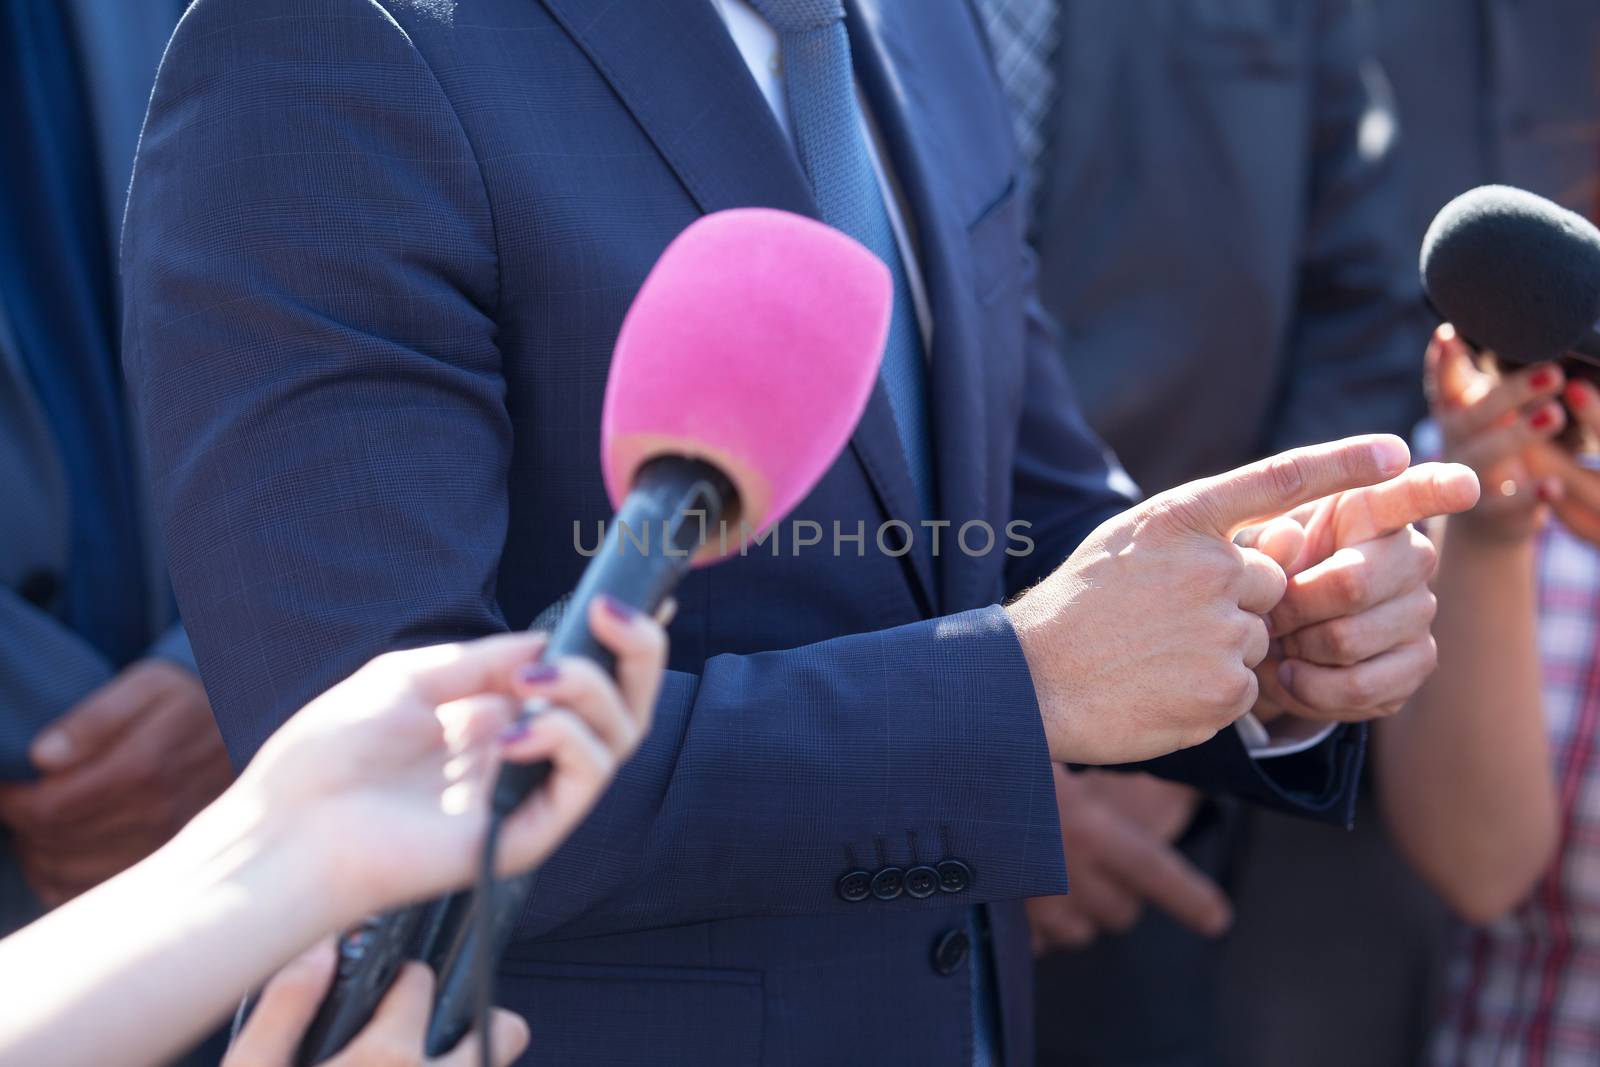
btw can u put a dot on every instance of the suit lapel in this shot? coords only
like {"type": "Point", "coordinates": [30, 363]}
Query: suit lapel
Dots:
{"type": "Point", "coordinates": [882, 44]}
{"type": "Point", "coordinates": [679, 73]}
{"type": "Point", "coordinates": [677, 70]}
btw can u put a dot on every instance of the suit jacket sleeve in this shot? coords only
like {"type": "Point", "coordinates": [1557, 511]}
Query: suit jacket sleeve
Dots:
{"type": "Point", "coordinates": [1355, 354]}
{"type": "Point", "coordinates": [1060, 462]}
{"type": "Point", "coordinates": [313, 289]}
{"type": "Point", "coordinates": [45, 669]}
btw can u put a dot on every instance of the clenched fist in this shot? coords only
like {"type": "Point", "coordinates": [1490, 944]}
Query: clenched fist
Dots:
{"type": "Point", "coordinates": [1145, 641]}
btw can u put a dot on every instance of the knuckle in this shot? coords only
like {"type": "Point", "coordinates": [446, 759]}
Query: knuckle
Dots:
{"type": "Point", "coordinates": [1286, 475]}
{"type": "Point", "coordinates": [1427, 553]}
{"type": "Point", "coordinates": [1341, 638]}
{"type": "Point", "coordinates": [1231, 688]}
{"type": "Point", "coordinates": [1430, 607]}
{"type": "Point", "coordinates": [1350, 584]}
{"type": "Point", "coordinates": [1199, 736]}
{"type": "Point", "coordinates": [1358, 690]}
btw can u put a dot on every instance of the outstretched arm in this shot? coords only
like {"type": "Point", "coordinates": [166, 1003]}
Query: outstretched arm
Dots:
{"type": "Point", "coordinates": [1463, 773]}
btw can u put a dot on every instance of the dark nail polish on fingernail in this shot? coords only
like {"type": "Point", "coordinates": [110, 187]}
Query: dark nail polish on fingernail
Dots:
{"type": "Point", "coordinates": [620, 611]}
{"type": "Point", "coordinates": [538, 674]}
{"type": "Point", "coordinates": [516, 731]}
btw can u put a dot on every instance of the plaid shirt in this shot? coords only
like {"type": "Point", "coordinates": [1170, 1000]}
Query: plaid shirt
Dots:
{"type": "Point", "coordinates": [1526, 989]}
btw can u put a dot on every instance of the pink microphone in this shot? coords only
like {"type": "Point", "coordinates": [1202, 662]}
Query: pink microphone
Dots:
{"type": "Point", "coordinates": [740, 372]}
{"type": "Point", "coordinates": [752, 347]}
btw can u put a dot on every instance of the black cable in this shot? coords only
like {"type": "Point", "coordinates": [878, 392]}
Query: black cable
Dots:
{"type": "Point", "coordinates": [483, 924]}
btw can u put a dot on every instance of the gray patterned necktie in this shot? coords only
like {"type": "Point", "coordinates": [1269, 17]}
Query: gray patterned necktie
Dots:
{"type": "Point", "coordinates": [1023, 37]}
{"type": "Point", "coordinates": [832, 146]}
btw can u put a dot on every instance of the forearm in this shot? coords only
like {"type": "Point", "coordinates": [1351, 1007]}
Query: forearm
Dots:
{"type": "Point", "coordinates": [144, 965]}
{"type": "Point", "coordinates": [1464, 778]}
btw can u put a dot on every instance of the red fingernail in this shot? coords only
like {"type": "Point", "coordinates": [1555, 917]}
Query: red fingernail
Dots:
{"type": "Point", "coordinates": [1544, 379]}
{"type": "Point", "coordinates": [1576, 395]}
{"type": "Point", "coordinates": [1542, 419]}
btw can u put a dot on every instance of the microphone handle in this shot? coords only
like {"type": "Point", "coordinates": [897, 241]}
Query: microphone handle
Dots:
{"type": "Point", "coordinates": [676, 506]}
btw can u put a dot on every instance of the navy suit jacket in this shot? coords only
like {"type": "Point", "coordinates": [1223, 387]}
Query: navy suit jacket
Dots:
{"type": "Point", "coordinates": [377, 256]}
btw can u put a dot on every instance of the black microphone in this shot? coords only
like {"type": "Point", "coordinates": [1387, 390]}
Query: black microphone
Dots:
{"type": "Point", "coordinates": [1516, 275]}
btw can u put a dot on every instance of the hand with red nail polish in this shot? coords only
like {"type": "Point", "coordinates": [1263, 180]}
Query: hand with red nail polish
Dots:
{"type": "Point", "coordinates": [1574, 485]}
{"type": "Point", "coordinates": [1492, 423]}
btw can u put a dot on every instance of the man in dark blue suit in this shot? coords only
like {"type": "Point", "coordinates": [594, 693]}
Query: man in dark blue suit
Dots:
{"type": "Point", "coordinates": [107, 744]}
{"type": "Point", "coordinates": [377, 256]}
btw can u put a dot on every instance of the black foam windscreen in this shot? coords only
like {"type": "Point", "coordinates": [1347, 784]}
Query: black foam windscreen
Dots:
{"type": "Point", "coordinates": [1516, 274]}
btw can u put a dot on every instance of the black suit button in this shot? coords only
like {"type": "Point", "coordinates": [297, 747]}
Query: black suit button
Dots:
{"type": "Point", "coordinates": [855, 886]}
{"type": "Point", "coordinates": [888, 883]}
{"type": "Point", "coordinates": [950, 951]}
{"type": "Point", "coordinates": [954, 876]}
{"type": "Point", "coordinates": [922, 882]}
{"type": "Point", "coordinates": [40, 588]}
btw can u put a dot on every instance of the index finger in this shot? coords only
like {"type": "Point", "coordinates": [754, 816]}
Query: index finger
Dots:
{"type": "Point", "coordinates": [1422, 492]}
{"type": "Point", "coordinates": [90, 727]}
{"type": "Point", "coordinates": [1224, 504]}
{"type": "Point", "coordinates": [401, 1021]}
{"type": "Point", "coordinates": [442, 673]}
{"type": "Point", "coordinates": [285, 1008]}
{"type": "Point", "coordinates": [1160, 874]}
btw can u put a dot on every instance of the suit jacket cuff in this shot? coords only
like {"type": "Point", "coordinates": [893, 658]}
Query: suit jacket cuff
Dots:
{"type": "Point", "coordinates": [1319, 783]}
{"type": "Point", "coordinates": [173, 646]}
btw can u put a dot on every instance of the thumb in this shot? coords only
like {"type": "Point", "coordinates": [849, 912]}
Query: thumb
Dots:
{"type": "Point", "coordinates": [1282, 540]}
{"type": "Point", "coordinates": [1223, 504]}
{"type": "Point", "coordinates": [95, 721]}
{"type": "Point", "coordinates": [1449, 369]}
{"type": "Point", "coordinates": [286, 1007]}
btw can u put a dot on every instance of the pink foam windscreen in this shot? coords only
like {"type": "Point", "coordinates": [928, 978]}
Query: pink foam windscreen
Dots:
{"type": "Point", "coordinates": [753, 345]}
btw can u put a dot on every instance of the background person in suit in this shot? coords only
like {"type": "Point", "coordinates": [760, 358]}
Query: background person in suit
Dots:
{"type": "Point", "coordinates": [1220, 229]}
{"type": "Point", "coordinates": [107, 744]}
{"type": "Point", "coordinates": [374, 276]}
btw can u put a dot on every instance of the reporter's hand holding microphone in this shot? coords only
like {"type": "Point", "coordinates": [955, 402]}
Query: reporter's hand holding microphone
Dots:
{"type": "Point", "coordinates": [325, 826]}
